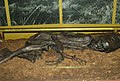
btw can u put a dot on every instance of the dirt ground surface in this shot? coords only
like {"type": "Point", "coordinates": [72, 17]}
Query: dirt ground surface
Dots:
{"type": "Point", "coordinates": [100, 66]}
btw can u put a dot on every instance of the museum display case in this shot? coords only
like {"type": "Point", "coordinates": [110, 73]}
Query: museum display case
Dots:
{"type": "Point", "coordinates": [59, 15]}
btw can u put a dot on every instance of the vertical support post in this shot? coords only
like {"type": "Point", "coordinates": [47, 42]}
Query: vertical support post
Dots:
{"type": "Point", "coordinates": [7, 12]}
{"type": "Point", "coordinates": [114, 12]}
{"type": "Point", "coordinates": [60, 12]}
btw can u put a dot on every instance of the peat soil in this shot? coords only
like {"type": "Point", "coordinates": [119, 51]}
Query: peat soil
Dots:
{"type": "Point", "coordinates": [99, 66]}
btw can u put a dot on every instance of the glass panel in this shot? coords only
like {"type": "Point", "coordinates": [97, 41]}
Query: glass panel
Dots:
{"type": "Point", "coordinates": [118, 12]}
{"type": "Point", "coordinates": [3, 20]}
{"type": "Point", "coordinates": [31, 12]}
{"type": "Point", "coordinates": [87, 11]}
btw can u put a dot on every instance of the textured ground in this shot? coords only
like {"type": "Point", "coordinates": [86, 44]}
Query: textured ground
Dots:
{"type": "Point", "coordinates": [100, 66]}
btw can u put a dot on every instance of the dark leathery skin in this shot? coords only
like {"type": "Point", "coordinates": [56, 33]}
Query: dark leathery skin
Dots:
{"type": "Point", "coordinates": [37, 44]}
{"type": "Point", "coordinates": [106, 43]}
{"type": "Point", "coordinates": [61, 41]}
{"type": "Point", "coordinates": [68, 40]}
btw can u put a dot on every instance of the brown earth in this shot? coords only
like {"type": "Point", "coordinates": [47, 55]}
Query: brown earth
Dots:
{"type": "Point", "coordinates": [100, 66]}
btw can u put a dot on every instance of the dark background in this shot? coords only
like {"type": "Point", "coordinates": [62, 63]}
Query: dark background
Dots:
{"type": "Point", "coordinates": [3, 21]}
{"type": "Point", "coordinates": [28, 12]}
{"type": "Point", "coordinates": [87, 11]}
{"type": "Point", "coordinates": [118, 12]}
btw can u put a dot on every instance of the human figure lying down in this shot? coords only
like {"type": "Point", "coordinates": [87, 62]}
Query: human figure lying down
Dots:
{"type": "Point", "coordinates": [39, 43]}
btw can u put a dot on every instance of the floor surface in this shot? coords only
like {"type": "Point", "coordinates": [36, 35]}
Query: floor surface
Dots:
{"type": "Point", "coordinates": [100, 66]}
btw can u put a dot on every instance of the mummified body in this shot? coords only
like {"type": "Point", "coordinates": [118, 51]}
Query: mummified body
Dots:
{"type": "Point", "coordinates": [38, 43]}
{"type": "Point", "coordinates": [105, 43]}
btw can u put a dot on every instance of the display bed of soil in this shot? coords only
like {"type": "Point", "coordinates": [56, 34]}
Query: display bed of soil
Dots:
{"type": "Point", "coordinates": [100, 66]}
